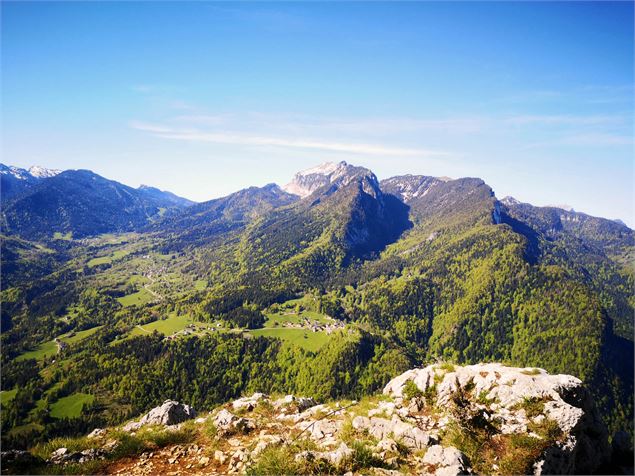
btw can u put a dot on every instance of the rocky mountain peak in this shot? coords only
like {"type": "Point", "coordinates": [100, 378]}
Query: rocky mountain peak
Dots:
{"type": "Point", "coordinates": [305, 182]}
{"type": "Point", "coordinates": [43, 172]}
{"type": "Point", "coordinates": [16, 172]}
{"type": "Point", "coordinates": [409, 187]}
{"type": "Point", "coordinates": [510, 201]}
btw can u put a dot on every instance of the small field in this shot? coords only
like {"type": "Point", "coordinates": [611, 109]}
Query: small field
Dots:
{"type": "Point", "coordinates": [71, 406]}
{"type": "Point", "coordinates": [141, 297]}
{"type": "Point", "coordinates": [63, 236]}
{"type": "Point", "coordinates": [304, 338]}
{"type": "Point", "coordinates": [7, 395]}
{"type": "Point", "coordinates": [169, 326]}
{"type": "Point", "coordinates": [40, 352]}
{"type": "Point", "coordinates": [50, 347]}
{"type": "Point", "coordinates": [282, 317]}
{"type": "Point", "coordinates": [107, 259]}
{"type": "Point", "coordinates": [295, 311]}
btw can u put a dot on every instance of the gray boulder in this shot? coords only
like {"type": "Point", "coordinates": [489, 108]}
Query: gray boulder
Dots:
{"type": "Point", "coordinates": [227, 423]}
{"type": "Point", "coordinates": [446, 461]}
{"type": "Point", "coordinates": [170, 413]}
{"type": "Point", "coordinates": [224, 419]}
{"type": "Point", "coordinates": [97, 433]}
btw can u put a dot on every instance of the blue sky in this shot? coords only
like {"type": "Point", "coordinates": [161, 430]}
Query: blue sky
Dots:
{"type": "Point", "coordinates": [206, 98]}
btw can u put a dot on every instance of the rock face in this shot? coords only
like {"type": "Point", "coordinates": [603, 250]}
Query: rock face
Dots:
{"type": "Point", "coordinates": [511, 392]}
{"type": "Point", "coordinates": [330, 174]}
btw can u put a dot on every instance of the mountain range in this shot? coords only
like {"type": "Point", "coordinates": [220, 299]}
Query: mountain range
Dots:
{"type": "Point", "coordinates": [29, 195]}
{"type": "Point", "coordinates": [337, 281]}
{"type": "Point", "coordinates": [39, 203]}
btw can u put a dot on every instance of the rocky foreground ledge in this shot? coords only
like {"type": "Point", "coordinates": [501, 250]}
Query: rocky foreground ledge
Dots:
{"type": "Point", "coordinates": [442, 419]}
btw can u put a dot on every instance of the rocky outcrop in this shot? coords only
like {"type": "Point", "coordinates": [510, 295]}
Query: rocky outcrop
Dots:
{"type": "Point", "coordinates": [249, 403]}
{"type": "Point", "coordinates": [169, 413]}
{"type": "Point", "coordinates": [63, 455]}
{"type": "Point", "coordinates": [509, 394]}
{"type": "Point", "coordinates": [299, 403]}
{"type": "Point", "coordinates": [227, 423]}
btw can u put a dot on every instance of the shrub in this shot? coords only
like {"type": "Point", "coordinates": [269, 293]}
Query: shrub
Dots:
{"type": "Point", "coordinates": [279, 460]}
{"type": "Point", "coordinates": [447, 366]}
{"type": "Point", "coordinates": [209, 429]}
{"type": "Point", "coordinates": [533, 406]}
{"type": "Point", "coordinates": [411, 390]}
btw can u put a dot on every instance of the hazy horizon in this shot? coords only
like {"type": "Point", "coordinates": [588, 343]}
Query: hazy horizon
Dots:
{"type": "Point", "coordinates": [204, 99]}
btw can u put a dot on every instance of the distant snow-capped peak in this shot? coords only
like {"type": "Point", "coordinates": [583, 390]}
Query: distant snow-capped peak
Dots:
{"type": "Point", "coordinates": [16, 172]}
{"type": "Point", "coordinates": [33, 172]}
{"type": "Point", "coordinates": [43, 172]}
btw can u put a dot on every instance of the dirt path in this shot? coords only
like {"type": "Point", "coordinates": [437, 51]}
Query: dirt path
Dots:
{"type": "Point", "coordinates": [169, 461]}
{"type": "Point", "coordinates": [154, 293]}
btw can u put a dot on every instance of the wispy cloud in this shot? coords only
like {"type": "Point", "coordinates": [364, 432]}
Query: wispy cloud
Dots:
{"type": "Point", "coordinates": [225, 137]}
{"type": "Point", "coordinates": [444, 137]}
